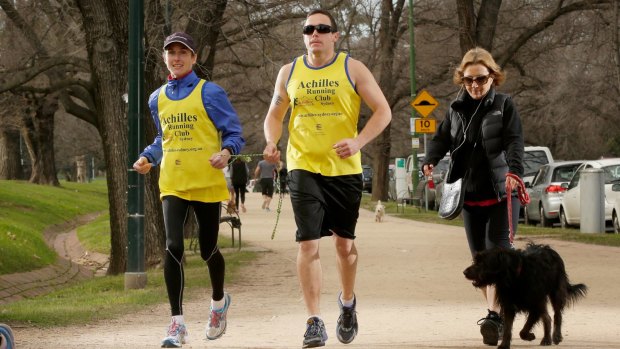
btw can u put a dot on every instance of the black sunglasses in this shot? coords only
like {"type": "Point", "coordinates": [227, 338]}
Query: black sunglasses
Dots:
{"type": "Point", "coordinates": [479, 80]}
{"type": "Point", "coordinates": [321, 29]}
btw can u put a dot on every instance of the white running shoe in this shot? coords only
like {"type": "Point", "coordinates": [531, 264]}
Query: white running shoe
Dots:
{"type": "Point", "coordinates": [176, 336]}
{"type": "Point", "coordinates": [217, 320]}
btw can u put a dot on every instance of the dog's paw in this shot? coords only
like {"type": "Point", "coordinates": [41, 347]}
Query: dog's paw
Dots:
{"type": "Point", "coordinates": [545, 341]}
{"type": "Point", "coordinates": [557, 338]}
{"type": "Point", "coordinates": [503, 346]}
{"type": "Point", "coordinates": [527, 336]}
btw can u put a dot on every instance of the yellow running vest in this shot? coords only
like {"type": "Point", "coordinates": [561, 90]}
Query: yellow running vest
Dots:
{"type": "Point", "coordinates": [189, 138]}
{"type": "Point", "coordinates": [324, 110]}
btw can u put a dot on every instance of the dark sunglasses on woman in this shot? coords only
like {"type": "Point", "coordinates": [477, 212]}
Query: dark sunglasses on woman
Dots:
{"type": "Point", "coordinates": [479, 80]}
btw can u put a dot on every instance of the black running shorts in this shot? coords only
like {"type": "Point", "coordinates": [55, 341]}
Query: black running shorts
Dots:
{"type": "Point", "coordinates": [323, 204]}
{"type": "Point", "coordinates": [266, 185]}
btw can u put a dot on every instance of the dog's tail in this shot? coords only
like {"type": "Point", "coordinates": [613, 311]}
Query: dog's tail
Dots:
{"type": "Point", "coordinates": [576, 292]}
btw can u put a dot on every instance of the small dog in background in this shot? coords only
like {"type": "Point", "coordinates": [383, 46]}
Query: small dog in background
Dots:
{"type": "Point", "coordinates": [524, 280]}
{"type": "Point", "coordinates": [379, 211]}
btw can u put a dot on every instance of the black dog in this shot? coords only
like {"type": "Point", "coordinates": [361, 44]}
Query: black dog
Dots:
{"type": "Point", "coordinates": [524, 279]}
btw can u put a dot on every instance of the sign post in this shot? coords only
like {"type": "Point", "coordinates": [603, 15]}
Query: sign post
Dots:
{"type": "Point", "coordinates": [424, 104]}
{"type": "Point", "coordinates": [414, 139]}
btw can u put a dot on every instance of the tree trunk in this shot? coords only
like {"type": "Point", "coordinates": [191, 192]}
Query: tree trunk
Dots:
{"type": "Point", "coordinates": [106, 33]}
{"type": "Point", "coordinates": [467, 24]}
{"type": "Point", "coordinates": [388, 39]}
{"type": "Point", "coordinates": [205, 32]}
{"type": "Point", "coordinates": [39, 134]}
{"type": "Point", "coordinates": [10, 160]}
{"type": "Point", "coordinates": [154, 229]}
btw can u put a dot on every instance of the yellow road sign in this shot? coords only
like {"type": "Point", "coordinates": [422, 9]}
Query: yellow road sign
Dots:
{"type": "Point", "coordinates": [426, 125]}
{"type": "Point", "coordinates": [424, 103]}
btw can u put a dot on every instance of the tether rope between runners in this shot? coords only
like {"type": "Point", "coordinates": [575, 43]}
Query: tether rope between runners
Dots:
{"type": "Point", "coordinates": [523, 196]}
{"type": "Point", "coordinates": [247, 158]}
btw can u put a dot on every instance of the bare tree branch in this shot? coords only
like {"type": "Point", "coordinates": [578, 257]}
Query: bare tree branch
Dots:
{"type": "Point", "coordinates": [20, 77]}
{"type": "Point", "coordinates": [55, 87]}
{"type": "Point", "coordinates": [21, 24]}
{"type": "Point", "coordinates": [79, 111]}
{"type": "Point", "coordinates": [505, 56]}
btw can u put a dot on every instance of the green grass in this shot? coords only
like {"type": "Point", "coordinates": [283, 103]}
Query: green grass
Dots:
{"type": "Point", "coordinates": [27, 209]}
{"type": "Point", "coordinates": [430, 216]}
{"type": "Point", "coordinates": [94, 236]}
{"type": "Point", "coordinates": [105, 297]}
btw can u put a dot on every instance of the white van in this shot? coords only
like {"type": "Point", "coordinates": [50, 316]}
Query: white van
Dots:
{"type": "Point", "coordinates": [533, 158]}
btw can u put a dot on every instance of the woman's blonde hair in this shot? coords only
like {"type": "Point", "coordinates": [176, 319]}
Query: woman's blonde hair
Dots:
{"type": "Point", "coordinates": [478, 55]}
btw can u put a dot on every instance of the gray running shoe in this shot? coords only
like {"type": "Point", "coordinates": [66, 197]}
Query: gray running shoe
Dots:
{"type": "Point", "coordinates": [491, 328]}
{"type": "Point", "coordinates": [315, 335]}
{"type": "Point", "coordinates": [346, 329]}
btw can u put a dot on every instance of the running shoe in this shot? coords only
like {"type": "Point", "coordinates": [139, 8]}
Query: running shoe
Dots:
{"type": "Point", "coordinates": [491, 328]}
{"type": "Point", "coordinates": [315, 335]}
{"type": "Point", "coordinates": [176, 336]}
{"type": "Point", "coordinates": [7, 340]}
{"type": "Point", "coordinates": [346, 328]}
{"type": "Point", "coordinates": [217, 320]}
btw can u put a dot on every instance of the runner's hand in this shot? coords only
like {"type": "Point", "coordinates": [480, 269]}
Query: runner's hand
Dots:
{"type": "Point", "coordinates": [142, 165]}
{"type": "Point", "coordinates": [346, 148]}
{"type": "Point", "coordinates": [271, 153]}
{"type": "Point", "coordinates": [220, 159]}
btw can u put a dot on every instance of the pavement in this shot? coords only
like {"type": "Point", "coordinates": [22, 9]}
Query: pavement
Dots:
{"type": "Point", "coordinates": [73, 264]}
{"type": "Point", "coordinates": [410, 289]}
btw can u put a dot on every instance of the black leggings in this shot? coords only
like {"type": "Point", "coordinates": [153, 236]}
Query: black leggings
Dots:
{"type": "Point", "coordinates": [208, 217]}
{"type": "Point", "coordinates": [239, 192]}
{"type": "Point", "coordinates": [487, 226]}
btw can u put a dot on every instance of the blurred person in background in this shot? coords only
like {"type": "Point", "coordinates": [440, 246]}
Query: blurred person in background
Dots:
{"type": "Point", "coordinates": [239, 174]}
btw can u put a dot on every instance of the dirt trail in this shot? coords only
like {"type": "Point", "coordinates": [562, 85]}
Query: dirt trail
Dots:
{"type": "Point", "coordinates": [410, 288]}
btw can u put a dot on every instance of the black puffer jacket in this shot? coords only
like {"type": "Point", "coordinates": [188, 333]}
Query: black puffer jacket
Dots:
{"type": "Point", "coordinates": [496, 151]}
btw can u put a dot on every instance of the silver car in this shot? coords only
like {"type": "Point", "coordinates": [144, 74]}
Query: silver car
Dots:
{"type": "Point", "coordinates": [546, 192]}
{"type": "Point", "coordinates": [432, 191]}
{"type": "Point", "coordinates": [570, 209]}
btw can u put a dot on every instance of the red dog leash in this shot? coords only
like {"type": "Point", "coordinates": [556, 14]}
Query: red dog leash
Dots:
{"type": "Point", "coordinates": [523, 196]}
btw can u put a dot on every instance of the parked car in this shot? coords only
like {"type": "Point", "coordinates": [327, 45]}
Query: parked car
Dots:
{"type": "Point", "coordinates": [615, 212]}
{"type": "Point", "coordinates": [425, 191]}
{"type": "Point", "coordinates": [570, 209]}
{"type": "Point", "coordinates": [546, 192]}
{"type": "Point", "coordinates": [367, 178]}
{"type": "Point", "coordinates": [533, 158]}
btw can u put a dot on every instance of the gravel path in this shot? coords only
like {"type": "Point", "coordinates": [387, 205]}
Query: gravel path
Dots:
{"type": "Point", "coordinates": [410, 288]}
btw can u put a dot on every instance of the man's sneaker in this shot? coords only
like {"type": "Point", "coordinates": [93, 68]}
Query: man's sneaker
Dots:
{"type": "Point", "coordinates": [176, 336]}
{"type": "Point", "coordinates": [7, 340]}
{"type": "Point", "coordinates": [491, 328]}
{"type": "Point", "coordinates": [315, 335]}
{"type": "Point", "coordinates": [346, 329]}
{"type": "Point", "coordinates": [217, 320]}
